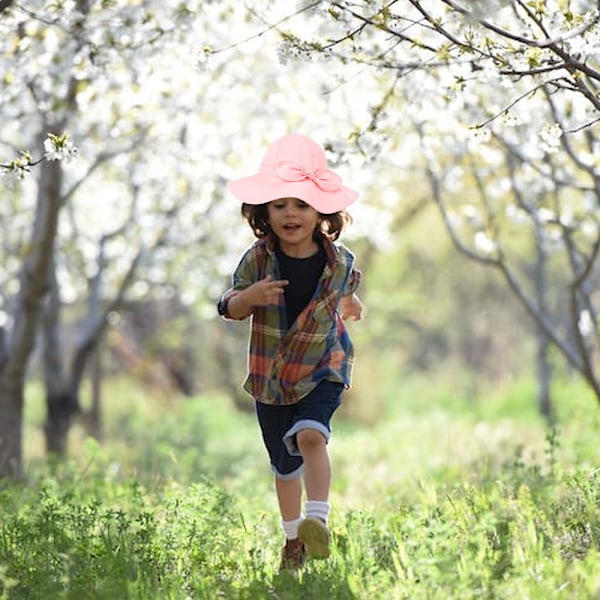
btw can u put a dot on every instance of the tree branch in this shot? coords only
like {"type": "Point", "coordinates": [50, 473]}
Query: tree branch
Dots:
{"type": "Point", "coordinates": [501, 264]}
{"type": "Point", "coordinates": [102, 158]}
{"type": "Point", "coordinates": [269, 27]}
{"type": "Point", "coordinates": [379, 25]}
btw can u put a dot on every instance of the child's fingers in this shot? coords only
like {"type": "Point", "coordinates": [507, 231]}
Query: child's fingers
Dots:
{"type": "Point", "coordinates": [269, 278]}
{"type": "Point", "coordinates": [278, 283]}
{"type": "Point", "coordinates": [267, 291]}
{"type": "Point", "coordinates": [353, 314]}
{"type": "Point", "coordinates": [276, 289]}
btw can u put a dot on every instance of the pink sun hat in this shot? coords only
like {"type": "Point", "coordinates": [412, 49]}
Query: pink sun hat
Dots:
{"type": "Point", "coordinates": [295, 166]}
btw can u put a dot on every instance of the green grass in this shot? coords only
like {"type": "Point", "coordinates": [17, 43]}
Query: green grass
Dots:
{"type": "Point", "coordinates": [456, 500]}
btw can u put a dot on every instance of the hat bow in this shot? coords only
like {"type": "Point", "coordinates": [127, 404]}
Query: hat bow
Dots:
{"type": "Point", "coordinates": [324, 179]}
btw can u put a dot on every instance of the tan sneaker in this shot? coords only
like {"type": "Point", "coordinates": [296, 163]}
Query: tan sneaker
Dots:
{"type": "Point", "coordinates": [292, 555]}
{"type": "Point", "coordinates": [315, 535]}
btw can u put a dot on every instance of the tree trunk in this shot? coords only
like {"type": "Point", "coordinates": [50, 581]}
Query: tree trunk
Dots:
{"type": "Point", "coordinates": [61, 407]}
{"type": "Point", "coordinates": [11, 428]}
{"type": "Point", "coordinates": [61, 403]}
{"type": "Point", "coordinates": [63, 384]}
{"type": "Point", "coordinates": [94, 424]}
{"type": "Point", "coordinates": [62, 392]}
{"type": "Point", "coordinates": [543, 366]}
{"type": "Point", "coordinates": [33, 281]}
{"type": "Point", "coordinates": [544, 376]}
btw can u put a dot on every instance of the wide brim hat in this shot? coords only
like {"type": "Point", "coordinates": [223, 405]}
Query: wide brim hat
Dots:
{"type": "Point", "coordinates": [295, 166]}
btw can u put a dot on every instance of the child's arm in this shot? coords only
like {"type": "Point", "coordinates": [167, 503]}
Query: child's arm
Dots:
{"type": "Point", "coordinates": [351, 308]}
{"type": "Point", "coordinates": [241, 303]}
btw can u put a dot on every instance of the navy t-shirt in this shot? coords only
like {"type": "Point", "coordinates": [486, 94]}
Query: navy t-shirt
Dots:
{"type": "Point", "coordinates": [303, 275]}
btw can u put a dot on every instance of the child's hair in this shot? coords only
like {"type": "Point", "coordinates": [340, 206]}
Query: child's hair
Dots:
{"type": "Point", "coordinates": [330, 226]}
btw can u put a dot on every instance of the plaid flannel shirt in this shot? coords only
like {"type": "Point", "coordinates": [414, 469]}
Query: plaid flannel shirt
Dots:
{"type": "Point", "coordinates": [284, 365]}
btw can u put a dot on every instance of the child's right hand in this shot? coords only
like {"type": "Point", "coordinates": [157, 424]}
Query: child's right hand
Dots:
{"type": "Point", "coordinates": [262, 293]}
{"type": "Point", "coordinates": [265, 292]}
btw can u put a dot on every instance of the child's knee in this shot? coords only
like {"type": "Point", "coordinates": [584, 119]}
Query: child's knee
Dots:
{"type": "Point", "coordinates": [308, 439]}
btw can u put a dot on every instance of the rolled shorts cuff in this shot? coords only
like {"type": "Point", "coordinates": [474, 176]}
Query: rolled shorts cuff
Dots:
{"type": "Point", "coordinates": [289, 439]}
{"type": "Point", "coordinates": [288, 476]}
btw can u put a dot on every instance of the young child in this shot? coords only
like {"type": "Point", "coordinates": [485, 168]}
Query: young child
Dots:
{"type": "Point", "coordinates": [298, 287]}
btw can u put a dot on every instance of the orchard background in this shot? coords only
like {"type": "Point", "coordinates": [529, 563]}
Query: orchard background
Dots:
{"type": "Point", "coordinates": [466, 458]}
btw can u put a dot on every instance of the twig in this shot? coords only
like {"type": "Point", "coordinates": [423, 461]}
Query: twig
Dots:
{"type": "Point", "coordinates": [269, 27]}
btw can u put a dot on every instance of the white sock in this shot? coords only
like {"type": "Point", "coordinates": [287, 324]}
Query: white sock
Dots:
{"type": "Point", "coordinates": [290, 528]}
{"type": "Point", "coordinates": [317, 509]}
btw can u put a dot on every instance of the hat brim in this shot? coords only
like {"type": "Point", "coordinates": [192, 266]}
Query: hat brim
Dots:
{"type": "Point", "coordinates": [260, 189]}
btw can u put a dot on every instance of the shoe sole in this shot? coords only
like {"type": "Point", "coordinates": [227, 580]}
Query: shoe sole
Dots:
{"type": "Point", "coordinates": [315, 536]}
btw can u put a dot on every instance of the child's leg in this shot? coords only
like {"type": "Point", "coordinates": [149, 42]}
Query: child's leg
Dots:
{"type": "Point", "coordinates": [312, 432]}
{"type": "Point", "coordinates": [317, 477]}
{"type": "Point", "coordinates": [274, 422]}
{"type": "Point", "coordinates": [309, 435]}
{"type": "Point", "coordinates": [313, 530]}
{"type": "Point", "coordinates": [289, 495]}
{"type": "Point", "coordinates": [317, 467]}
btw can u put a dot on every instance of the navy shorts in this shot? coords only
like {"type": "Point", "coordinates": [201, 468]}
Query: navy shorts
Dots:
{"type": "Point", "coordinates": [280, 424]}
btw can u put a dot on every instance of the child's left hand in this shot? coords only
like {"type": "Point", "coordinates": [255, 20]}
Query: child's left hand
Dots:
{"type": "Point", "coordinates": [351, 308]}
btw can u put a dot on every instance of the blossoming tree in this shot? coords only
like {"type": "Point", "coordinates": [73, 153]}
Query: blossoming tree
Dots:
{"type": "Point", "coordinates": [75, 66]}
{"type": "Point", "coordinates": [497, 104]}
{"type": "Point", "coordinates": [156, 121]}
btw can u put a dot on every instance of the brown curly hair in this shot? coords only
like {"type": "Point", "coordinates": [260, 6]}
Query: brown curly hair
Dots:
{"type": "Point", "coordinates": [329, 226]}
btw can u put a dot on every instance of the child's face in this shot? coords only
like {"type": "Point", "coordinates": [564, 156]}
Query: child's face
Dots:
{"type": "Point", "coordinates": [293, 222]}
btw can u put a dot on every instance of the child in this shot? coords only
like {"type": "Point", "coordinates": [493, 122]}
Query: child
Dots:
{"type": "Point", "coordinates": [299, 288]}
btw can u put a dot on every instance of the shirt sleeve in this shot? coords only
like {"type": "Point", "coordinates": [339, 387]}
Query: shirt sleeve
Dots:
{"type": "Point", "coordinates": [245, 274]}
{"type": "Point", "coordinates": [352, 275]}
{"type": "Point", "coordinates": [353, 282]}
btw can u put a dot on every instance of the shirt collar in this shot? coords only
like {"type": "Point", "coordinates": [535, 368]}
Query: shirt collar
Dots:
{"type": "Point", "coordinates": [268, 241]}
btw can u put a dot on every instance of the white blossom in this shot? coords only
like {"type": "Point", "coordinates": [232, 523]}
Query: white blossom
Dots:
{"type": "Point", "coordinates": [15, 171]}
{"type": "Point", "coordinates": [481, 135]}
{"type": "Point", "coordinates": [585, 323]}
{"type": "Point", "coordinates": [550, 138]}
{"type": "Point", "coordinates": [484, 243]}
{"type": "Point", "coordinates": [545, 215]}
{"type": "Point", "coordinates": [472, 215]}
{"type": "Point", "coordinates": [59, 147]}
{"type": "Point", "coordinates": [589, 229]}
{"type": "Point", "coordinates": [454, 219]}
{"type": "Point", "coordinates": [510, 119]}
{"type": "Point", "coordinates": [516, 214]}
